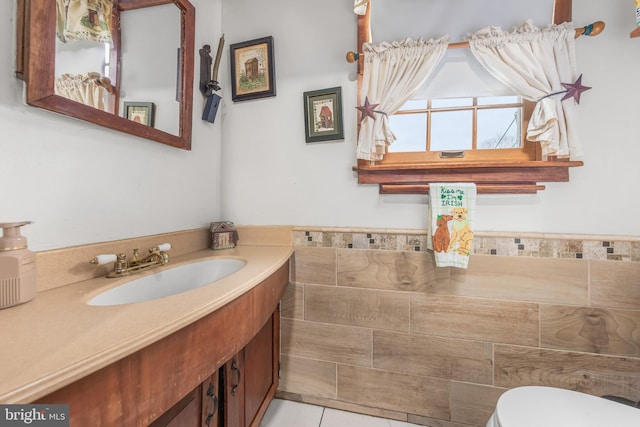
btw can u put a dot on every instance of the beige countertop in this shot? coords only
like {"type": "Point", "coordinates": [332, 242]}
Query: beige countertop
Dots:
{"type": "Point", "coordinates": [57, 338]}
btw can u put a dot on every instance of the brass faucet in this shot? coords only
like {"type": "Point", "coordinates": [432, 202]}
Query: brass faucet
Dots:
{"type": "Point", "coordinates": [122, 267]}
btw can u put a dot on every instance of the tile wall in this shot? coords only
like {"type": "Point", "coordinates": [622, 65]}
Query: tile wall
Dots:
{"type": "Point", "coordinates": [369, 324]}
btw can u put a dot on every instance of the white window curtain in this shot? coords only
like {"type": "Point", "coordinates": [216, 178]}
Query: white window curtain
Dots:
{"type": "Point", "coordinates": [81, 88]}
{"type": "Point", "coordinates": [84, 20]}
{"type": "Point", "coordinates": [393, 73]}
{"type": "Point", "coordinates": [534, 62]}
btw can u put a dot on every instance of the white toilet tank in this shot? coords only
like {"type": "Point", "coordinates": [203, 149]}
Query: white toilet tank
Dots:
{"type": "Point", "coordinates": [534, 406]}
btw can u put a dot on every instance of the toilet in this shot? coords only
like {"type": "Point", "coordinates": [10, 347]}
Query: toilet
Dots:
{"type": "Point", "coordinates": [534, 406]}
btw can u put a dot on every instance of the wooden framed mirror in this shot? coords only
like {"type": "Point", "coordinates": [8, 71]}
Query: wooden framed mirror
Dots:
{"type": "Point", "coordinates": [39, 65]}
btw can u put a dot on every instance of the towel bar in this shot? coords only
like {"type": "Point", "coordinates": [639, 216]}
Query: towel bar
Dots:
{"type": "Point", "coordinates": [523, 188]}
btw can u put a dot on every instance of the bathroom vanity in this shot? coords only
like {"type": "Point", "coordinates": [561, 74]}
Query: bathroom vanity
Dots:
{"type": "Point", "coordinates": [178, 379]}
{"type": "Point", "coordinates": [207, 357]}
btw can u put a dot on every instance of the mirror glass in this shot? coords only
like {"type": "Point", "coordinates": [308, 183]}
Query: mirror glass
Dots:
{"type": "Point", "coordinates": [75, 61]}
{"type": "Point", "coordinates": [134, 78]}
{"type": "Point", "coordinates": [149, 62]}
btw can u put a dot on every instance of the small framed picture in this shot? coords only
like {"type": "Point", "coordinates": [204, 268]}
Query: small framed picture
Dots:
{"type": "Point", "coordinates": [140, 112]}
{"type": "Point", "coordinates": [323, 115]}
{"type": "Point", "coordinates": [252, 69]}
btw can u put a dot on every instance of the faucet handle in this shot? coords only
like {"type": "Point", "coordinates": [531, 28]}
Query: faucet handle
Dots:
{"type": "Point", "coordinates": [164, 247]}
{"type": "Point", "coordinates": [103, 259]}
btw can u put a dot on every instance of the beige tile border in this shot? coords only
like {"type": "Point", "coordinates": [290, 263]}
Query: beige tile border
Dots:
{"type": "Point", "coordinates": [541, 245]}
{"type": "Point", "coordinates": [259, 235]}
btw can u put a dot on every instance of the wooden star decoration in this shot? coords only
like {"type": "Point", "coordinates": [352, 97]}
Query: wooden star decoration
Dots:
{"type": "Point", "coordinates": [574, 90]}
{"type": "Point", "coordinates": [367, 109]}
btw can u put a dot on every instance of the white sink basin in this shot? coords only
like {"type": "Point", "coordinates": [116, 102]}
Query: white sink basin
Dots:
{"type": "Point", "coordinates": [169, 282]}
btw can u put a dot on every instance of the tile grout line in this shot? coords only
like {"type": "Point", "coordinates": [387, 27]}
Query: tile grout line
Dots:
{"type": "Point", "coordinates": [322, 416]}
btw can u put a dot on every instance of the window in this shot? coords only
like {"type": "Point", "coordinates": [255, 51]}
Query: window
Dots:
{"type": "Point", "coordinates": [106, 69]}
{"type": "Point", "coordinates": [470, 131]}
{"type": "Point", "coordinates": [488, 127]}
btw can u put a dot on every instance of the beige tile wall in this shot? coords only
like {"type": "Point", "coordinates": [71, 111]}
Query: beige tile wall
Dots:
{"type": "Point", "coordinates": [371, 325]}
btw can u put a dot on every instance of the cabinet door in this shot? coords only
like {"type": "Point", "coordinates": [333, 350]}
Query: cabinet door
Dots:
{"type": "Point", "coordinates": [197, 409]}
{"type": "Point", "coordinates": [184, 413]}
{"type": "Point", "coordinates": [260, 365]}
{"type": "Point", "coordinates": [234, 380]}
{"type": "Point", "coordinates": [251, 377]}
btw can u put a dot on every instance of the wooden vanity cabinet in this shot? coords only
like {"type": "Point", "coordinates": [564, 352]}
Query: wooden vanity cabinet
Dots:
{"type": "Point", "coordinates": [167, 382]}
{"type": "Point", "coordinates": [238, 394]}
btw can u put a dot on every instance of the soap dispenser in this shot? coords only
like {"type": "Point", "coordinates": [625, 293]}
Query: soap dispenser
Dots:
{"type": "Point", "coordinates": [17, 266]}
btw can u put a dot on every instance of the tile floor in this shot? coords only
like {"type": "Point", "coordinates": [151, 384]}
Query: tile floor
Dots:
{"type": "Point", "coordinates": [285, 413]}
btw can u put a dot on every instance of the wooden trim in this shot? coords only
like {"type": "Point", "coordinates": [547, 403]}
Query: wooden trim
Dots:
{"type": "Point", "coordinates": [367, 167]}
{"type": "Point", "coordinates": [364, 36]}
{"type": "Point", "coordinates": [562, 11]}
{"type": "Point", "coordinates": [402, 159]}
{"type": "Point", "coordinates": [492, 178]}
{"type": "Point", "coordinates": [138, 4]}
{"type": "Point", "coordinates": [20, 39]}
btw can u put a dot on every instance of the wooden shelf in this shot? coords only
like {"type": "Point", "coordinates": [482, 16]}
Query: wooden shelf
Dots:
{"type": "Point", "coordinates": [491, 178]}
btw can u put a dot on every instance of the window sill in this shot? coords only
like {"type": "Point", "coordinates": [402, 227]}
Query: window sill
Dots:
{"type": "Point", "coordinates": [519, 177]}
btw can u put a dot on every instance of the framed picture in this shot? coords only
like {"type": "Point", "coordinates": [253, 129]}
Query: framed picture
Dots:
{"type": "Point", "coordinates": [323, 115]}
{"type": "Point", "coordinates": [140, 112]}
{"type": "Point", "coordinates": [252, 69]}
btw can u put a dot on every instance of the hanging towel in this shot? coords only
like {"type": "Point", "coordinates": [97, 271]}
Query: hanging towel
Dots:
{"type": "Point", "coordinates": [451, 212]}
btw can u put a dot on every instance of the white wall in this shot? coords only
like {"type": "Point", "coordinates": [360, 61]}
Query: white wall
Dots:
{"type": "Point", "coordinates": [270, 176]}
{"type": "Point", "coordinates": [81, 183]}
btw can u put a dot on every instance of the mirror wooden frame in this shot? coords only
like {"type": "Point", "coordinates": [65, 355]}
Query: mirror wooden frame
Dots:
{"type": "Point", "coordinates": [36, 66]}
